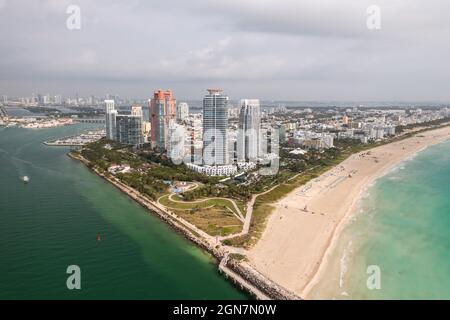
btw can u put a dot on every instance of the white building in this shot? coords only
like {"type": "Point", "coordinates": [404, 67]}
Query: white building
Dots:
{"type": "Point", "coordinates": [298, 151]}
{"type": "Point", "coordinates": [225, 170]}
{"type": "Point", "coordinates": [175, 147]}
{"type": "Point", "coordinates": [220, 171]}
{"type": "Point", "coordinates": [233, 112]}
{"type": "Point", "coordinates": [314, 140]}
{"type": "Point", "coordinates": [111, 114]}
{"type": "Point", "coordinates": [182, 112]}
{"type": "Point", "coordinates": [248, 139]}
{"type": "Point", "coordinates": [136, 111]}
{"type": "Point", "coordinates": [215, 126]}
{"type": "Point", "coordinates": [58, 99]}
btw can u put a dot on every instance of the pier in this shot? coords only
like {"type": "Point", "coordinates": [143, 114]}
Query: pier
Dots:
{"type": "Point", "coordinates": [238, 280]}
{"type": "Point", "coordinates": [91, 120]}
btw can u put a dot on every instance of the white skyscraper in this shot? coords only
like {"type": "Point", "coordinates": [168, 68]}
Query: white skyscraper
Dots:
{"type": "Point", "coordinates": [46, 99]}
{"type": "Point", "coordinates": [215, 126]}
{"type": "Point", "coordinates": [111, 114]}
{"type": "Point", "coordinates": [248, 140]}
{"type": "Point", "coordinates": [58, 99]}
{"type": "Point", "coordinates": [175, 149]}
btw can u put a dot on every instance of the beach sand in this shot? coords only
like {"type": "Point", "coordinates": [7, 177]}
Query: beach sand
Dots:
{"type": "Point", "coordinates": [302, 230]}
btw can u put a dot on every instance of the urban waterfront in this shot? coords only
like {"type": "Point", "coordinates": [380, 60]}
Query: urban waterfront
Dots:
{"type": "Point", "coordinates": [67, 215]}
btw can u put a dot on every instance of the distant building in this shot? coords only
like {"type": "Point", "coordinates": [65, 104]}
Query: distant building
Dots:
{"type": "Point", "coordinates": [46, 99]}
{"type": "Point", "coordinates": [111, 114]}
{"type": "Point", "coordinates": [281, 132]}
{"type": "Point", "coordinates": [345, 120]}
{"type": "Point", "coordinates": [248, 140]}
{"type": "Point", "coordinates": [124, 128]}
{"type": "Point", "coordinates": [58, 99]}
{"type": "Point", "coordinates": [313, 140]}
{"type": "Point", "coordinates": [281, 109]}
{"type": "Point", "coordinates": [215, 124]}
{"type": "Point", "coordinates": [146, 130]}
{"type": "Point", "coordinates": [136, 110]}
{"type": "Point", "coordinates": [162, 113]}
{"type": "Point", "coordinates": [225, 170]}
{"type": "Point", "coordinates": [182, 112]}
{"type": "Point", "coordinates": [233, 112]}
{"type": "Point", "coordinates": [379, 132]}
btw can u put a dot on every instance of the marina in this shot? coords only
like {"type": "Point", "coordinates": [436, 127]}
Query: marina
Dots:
{"type": "Point", "coordinates": [77, 140]}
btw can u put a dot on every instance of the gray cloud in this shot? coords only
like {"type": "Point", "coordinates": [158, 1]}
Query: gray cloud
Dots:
{"type": "Point", "coordinates": [272, 49]}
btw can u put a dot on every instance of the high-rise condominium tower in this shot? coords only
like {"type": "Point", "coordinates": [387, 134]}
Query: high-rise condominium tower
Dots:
{"type": "Point", "coordinates": [124, 128]}
{"type": "Point", "coordinates": [129, 127]}
{"type": "Point", "coordinates": [248, 140]}
{"type": "Point", "coordinates": [111, 114]}
{"type": "Point", "coordinates": [182, 111]}
{"type": "Point", "coordinates": [175, 150]}
{"type": "Point", "coordinates": [215, 123]}
{"type": "Point", "coordinates": [162, 112]}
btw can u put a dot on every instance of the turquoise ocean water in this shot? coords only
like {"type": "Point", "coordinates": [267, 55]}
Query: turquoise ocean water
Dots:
{"type": "Point", "coordinates": [54, 221]}
{"type": "Point", "coordinates": [403, 227]}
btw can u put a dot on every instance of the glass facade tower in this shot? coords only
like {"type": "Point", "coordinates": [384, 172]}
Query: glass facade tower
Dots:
{"type": "Point", "coordinates": [215, 124]}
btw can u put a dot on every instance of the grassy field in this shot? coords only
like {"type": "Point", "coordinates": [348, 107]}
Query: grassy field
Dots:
{"type": "Point", "coordinates": [214, 216]}
{"type": "Point", "coordinates": [222, 203]}
{"type": "Point", "coordinates": [216, 221]}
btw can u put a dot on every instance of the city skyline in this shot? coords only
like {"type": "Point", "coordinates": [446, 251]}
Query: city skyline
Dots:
{"type": "Point", "coordinates": [333, 56]}
{"type": "Point", "coordinates": [56, 98]}
{"type": "Point", "coordinates": [186, 153]}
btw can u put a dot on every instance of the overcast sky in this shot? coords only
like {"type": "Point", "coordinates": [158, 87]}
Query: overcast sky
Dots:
{"type": "Point", "coordinates": [267, 49]}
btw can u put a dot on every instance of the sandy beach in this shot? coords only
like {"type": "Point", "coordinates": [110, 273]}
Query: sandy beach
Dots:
{"type": "Point", "coordinates": [302, 230]}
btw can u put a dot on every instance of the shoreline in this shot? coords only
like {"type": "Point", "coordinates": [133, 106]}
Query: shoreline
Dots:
{"type": "Point", "coordinates": [295, 248]}
{"type": "Point", "coordinates": [242, 276]}
{"type": "Point", "coordinates": [351, 212]}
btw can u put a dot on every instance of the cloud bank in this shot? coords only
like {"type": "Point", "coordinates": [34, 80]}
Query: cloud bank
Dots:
{"type": "Point", "coordinates": [269, 49]}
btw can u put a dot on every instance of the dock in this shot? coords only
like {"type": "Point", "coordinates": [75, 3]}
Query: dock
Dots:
{"type": "Point", "coordinates": [77, 140]}
{"type": "Point", "coordinates": [238, 280]}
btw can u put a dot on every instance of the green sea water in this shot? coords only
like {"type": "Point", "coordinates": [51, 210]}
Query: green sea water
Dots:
{"type": "Point", "coordinates": [402, 227]}
{"type": "Point", "coordinates": [54, 222]}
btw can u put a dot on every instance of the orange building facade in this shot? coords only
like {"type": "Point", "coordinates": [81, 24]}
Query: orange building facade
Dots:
{"type": "Point", "coordinates": [162, 113]}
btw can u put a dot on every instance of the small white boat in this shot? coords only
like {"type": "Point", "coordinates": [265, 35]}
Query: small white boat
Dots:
{"type": "Point", "coordinates": [26, 179]}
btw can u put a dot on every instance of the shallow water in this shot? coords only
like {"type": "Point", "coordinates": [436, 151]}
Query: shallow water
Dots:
{"type": "Point", "coordinates": [401, 227]}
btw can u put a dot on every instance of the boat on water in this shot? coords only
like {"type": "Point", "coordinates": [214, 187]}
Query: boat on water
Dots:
{"type": "Point", "coordinates": [25, 179]}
